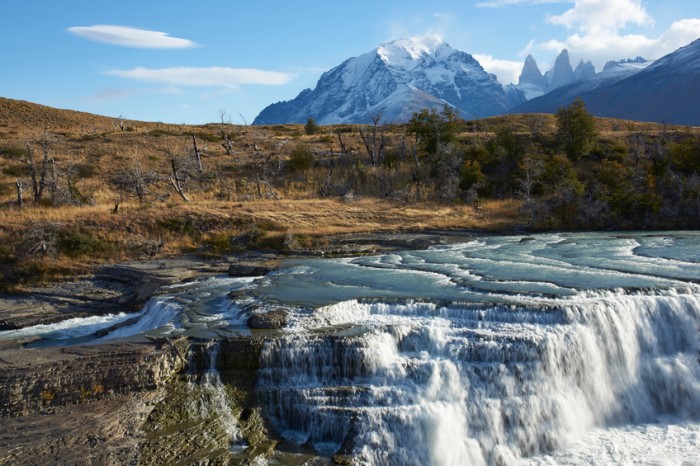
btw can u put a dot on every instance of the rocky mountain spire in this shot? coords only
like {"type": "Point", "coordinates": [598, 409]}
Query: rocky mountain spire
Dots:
{"type": "Point", "coordinates": [584, 70]}
{"type": "Point", "coordinates": [531, 73]}
{"type": "Point", "coordinates": [562, 73]}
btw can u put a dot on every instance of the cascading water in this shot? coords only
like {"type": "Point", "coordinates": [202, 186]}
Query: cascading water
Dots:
{"type": "Point", "coordinates": [425, 384]}
{"type": "Point", "coordinates": [528, 374]}
{"type": "Point", "coordinates": [561, 348]}
{"type": "Point", "coordinates": [207, 398]}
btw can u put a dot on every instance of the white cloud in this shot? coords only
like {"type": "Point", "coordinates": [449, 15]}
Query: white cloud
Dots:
{"type": "Point", "coordinates": [598, 32]}
{"type": "Point", "coordinates": [131, 37]}
{"type": "Point", "coordinates": [601, 16]}
{"type": "Point", "coordinates": [215, 76]}
{"type": "Point", "coordinates": [507, 71]}
{"type": "Point", "coordinates": [502, 3]}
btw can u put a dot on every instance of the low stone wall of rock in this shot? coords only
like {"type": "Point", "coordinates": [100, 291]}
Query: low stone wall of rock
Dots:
{"type": "Point", "coordinates": [40, 379]}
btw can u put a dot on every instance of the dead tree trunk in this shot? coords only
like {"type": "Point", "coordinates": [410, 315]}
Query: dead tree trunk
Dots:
{"type": "Point", "coordinates": [370, 149]}
{"type": "Point", "coordinates": [228, 145]}
{"type": "Point", "coordinates": [44, 164]}
{"type": "Point", "coordinates": [20, 199]}
{"type": "Point", "coordinates": [343, 150]}
{"type": "Point", "coordinates": [53, 187]}
{"type": "Point", "coordinates": [197, 153]}
{"type": "Point", "coordinates": [175, 180]}
{"type": "Point", "coordinates": [29, 161]}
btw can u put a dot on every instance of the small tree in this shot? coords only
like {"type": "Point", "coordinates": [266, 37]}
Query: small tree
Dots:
{"type": "Point", "coordinates": [432, 129]}
{"type": "Point", "coordinates": [575, 129]}
{"type": "Point", "coordinates": [311, 127]}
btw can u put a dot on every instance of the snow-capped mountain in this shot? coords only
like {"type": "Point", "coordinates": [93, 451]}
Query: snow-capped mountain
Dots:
{"type": "Point", "coordinates": [666, 90]}
{"type": "Point", "coordinates": [612, 72]}
{"type": "Point", "coordinates": [397, 79]}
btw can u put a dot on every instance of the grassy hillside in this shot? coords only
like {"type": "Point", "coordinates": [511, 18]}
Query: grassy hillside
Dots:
{"type": "Point", "coordinates": [116, 189]}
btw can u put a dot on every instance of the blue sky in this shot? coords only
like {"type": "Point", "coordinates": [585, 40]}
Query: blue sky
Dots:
{"type": "Point", "coordinates": [185, 62]}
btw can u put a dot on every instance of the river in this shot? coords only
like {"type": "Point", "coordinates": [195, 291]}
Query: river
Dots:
{"type": "Point", "coordinates": [552, 349]}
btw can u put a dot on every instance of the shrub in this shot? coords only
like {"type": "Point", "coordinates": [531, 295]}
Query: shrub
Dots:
{"type": "Point", "coordinates": [301, 159]}
{"type": "Point", "coordinates": [76, 244]}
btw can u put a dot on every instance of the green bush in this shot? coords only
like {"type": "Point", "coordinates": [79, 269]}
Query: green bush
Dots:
{"type": "Point", "coordinates": [301, 159]}
{"type": "Point", "coordinates": [76, 244]}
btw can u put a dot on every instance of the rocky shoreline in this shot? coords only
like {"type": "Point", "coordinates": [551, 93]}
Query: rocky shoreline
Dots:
{"type": "Point", "coordinates": [113, 404]}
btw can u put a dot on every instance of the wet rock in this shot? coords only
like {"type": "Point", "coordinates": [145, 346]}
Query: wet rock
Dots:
{"type": "Point", "coordinates": [41, 379]}
{"type": "Point", "coordinates": [248, 270]}
{"type": "Point", "coordinates": [268, 320]}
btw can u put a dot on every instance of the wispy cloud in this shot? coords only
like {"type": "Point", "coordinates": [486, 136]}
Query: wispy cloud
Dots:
{"type": "Point", "coordinates": [215, 76]}
{"type": "Point", "coordinates": [503, 3]}
{"type": "Point", "coordinates": [131, 37]}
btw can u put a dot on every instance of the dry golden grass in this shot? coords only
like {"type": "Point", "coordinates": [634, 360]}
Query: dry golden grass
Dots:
{"type": "Point", "coordinates": [99, 148]}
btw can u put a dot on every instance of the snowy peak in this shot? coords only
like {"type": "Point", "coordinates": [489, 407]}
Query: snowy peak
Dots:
{"type": "Point", "coordinates": [685, 58]}
{"type": "Point", "coordinates": [406, 53]}
{"type": "Point", "coordinates": [625, 67]}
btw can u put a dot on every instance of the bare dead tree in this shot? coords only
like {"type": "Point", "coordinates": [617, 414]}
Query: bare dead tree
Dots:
{"type": "Point", "coordinates": [176, 180]}
{"type": "Point", "coordinates": [264, 169]}
{"type": "Point", "coordinates": [37, 175]}
{"type": "Point", "coordinates": [376, 142]}
{"type": "Point", "coordinates": [29, 161]}
{"type": "Point", "coordinates": [228, 143]}
{"type": "Point", "coordinates": [136, 180]}
{"type": "Point", "coordinates": [53, 186]}
{"type": "Point", "coordinates": [44, 163]}
{"type": "Point", "coordinates": [343, 149]}
{"type": "Point", "coordinates": [197, 153]}
{"type": "Point", "coordinates": [39, 239]}
{"type": "Point", "coordinates": [20, 199]}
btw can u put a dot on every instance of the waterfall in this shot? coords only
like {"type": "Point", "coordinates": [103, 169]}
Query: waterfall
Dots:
{"type": "Point", "coordinates": [420, 383]}
{"type": "Point", "coordinates": [208, 399]}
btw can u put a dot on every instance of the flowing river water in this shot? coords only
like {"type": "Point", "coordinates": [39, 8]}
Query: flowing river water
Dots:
{"type": "Point", "coordinates": [552, 349]}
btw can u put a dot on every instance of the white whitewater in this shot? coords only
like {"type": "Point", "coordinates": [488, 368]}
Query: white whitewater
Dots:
{"type": "Point", "coordinates": [518, 378]}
